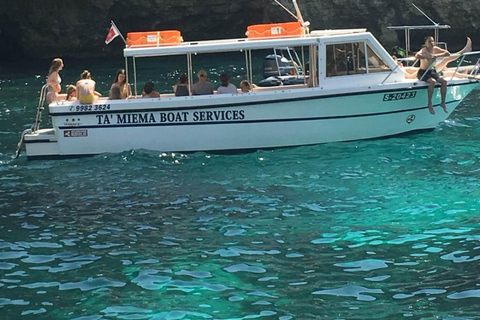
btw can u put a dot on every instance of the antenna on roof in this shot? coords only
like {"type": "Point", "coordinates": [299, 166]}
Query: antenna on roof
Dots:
{"type": "Point", "coordinates": [298, 15]}
{"type": "Point", "coordinates": [413, 4]}
{"type": "Point", "coordinates": [305, 24]}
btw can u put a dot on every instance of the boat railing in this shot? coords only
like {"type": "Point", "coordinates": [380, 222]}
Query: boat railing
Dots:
{"type": "Point", "coordinates": [475, 68]}
{"type": "Point", "coordinates": [40, 108]}
{"type": "Point", "coordinates": [38, 118]}
{"type": "Point", "coordinates": [399, 64]}
{"type": "Point", "coordinates": [408, 60]}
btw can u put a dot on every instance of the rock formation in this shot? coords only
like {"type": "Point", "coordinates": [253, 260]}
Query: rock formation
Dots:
{"type": "Point", "coordinates": [49, 28]}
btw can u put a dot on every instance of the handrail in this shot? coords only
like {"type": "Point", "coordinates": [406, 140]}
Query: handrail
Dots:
{"type": "Point", "coordinates": [391, 72]}
{"type": "Point", "coordinates": [398, 65]}
{"type": "Point", "coordinates": [38, 118]}
{"type": "Point", "coordinates": [466, 53]}
{"type": "Point", "coordinates": [40, 108]}
{"type": "Point", "coordinates": [475, 70]}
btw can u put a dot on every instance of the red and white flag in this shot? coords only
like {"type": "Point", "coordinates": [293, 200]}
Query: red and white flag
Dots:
{"type": "Point", "coordinates": [112, 34]}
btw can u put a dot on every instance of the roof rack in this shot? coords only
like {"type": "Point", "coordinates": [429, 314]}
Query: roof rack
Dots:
{"type": "Point", "coordinates": [407, 29]}
{"type": "Point", "coordinates": [335, 32]}
{"type": "Point", "coordinates": [434, 26]}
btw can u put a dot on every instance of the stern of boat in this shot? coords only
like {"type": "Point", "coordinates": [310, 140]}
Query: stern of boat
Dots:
{"type": "Point", "coordinates": [41, 144]}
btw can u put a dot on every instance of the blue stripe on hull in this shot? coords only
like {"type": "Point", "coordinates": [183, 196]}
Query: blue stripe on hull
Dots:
{"type": "Point", "coordinates": [243, 121]}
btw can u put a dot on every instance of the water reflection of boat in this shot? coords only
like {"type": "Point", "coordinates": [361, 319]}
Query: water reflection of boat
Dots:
{"type": "Point", "coordinates": [355, 91]}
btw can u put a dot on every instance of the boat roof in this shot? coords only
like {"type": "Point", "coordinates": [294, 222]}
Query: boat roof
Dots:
{"type": "Point", "coordinates": [225, 45]}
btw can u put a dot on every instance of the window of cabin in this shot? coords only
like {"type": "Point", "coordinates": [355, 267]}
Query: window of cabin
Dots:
{"type": "Point", "coordinates": [349, 58]}
{"type": "Point", "coordinates": [375, 63]}
{"type": "Point", "coordinates": [346, 59]}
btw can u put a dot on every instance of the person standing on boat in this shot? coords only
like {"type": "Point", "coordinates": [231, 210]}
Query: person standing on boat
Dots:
{"type": "Point", "coordinates": [226, 86]}
{"type": "Point", "coordinates": [54, 80]}
{"type": "Point", "coordinates": [181, 89]}
{"type": "Point", "coordinates": [203, 86]}
{"type": "Point", "coordinates": [427, 72]}
{"type": "Point", "coordinates": [86, 93]}
{"type": "Point", "coordinates": [121, 82]}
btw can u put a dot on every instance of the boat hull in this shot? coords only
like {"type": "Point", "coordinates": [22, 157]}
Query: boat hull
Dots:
{"type": "Point", "coordinates": [281, 118]}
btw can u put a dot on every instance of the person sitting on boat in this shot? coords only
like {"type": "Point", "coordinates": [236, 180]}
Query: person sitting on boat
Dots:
{"type": "Point", "coordinates": [398, 52]}
{"type": "Point", "coordinates": [121, 82]}
{"type": "Point", "coordinates": [226, 86]}
{"type": "Point", "coordinates": [203, 86]}
{"type": "Point", "coordinates": [148, 91]}
{"type": "Point", "coordinates": [410, 72]}
{"type": "Point", "coordinates": [181, 89]}
{"type": "Point", "coordinates": [441, 66]}
{"type": "Point", "coordinates": [54, 80]}
{"type": "Point", "coordinates": [245, 86]}
{"type": "Point", "coordinates": [115, 93]}
{"type": "Point", "coordinates": [71, 93]}
{"type": "Point", "coordinates": [427, 72]}
{"type": "Point", "coordinates": [86, 93]}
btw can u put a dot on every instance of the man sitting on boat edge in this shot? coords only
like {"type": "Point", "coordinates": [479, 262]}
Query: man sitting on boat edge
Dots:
{"type": "Point", "coordinates": [427, 72]}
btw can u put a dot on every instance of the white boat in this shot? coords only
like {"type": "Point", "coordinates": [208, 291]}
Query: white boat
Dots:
{"type": "Point", "coordinates": [359, 92]}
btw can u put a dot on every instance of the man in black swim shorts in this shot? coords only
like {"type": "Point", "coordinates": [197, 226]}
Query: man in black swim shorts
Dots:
{"type": "Point", "coordinates": [427, 56]}
{"type": "Point", "coordinates": [425, 75]}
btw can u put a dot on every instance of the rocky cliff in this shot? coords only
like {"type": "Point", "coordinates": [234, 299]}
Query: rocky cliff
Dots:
{"type": "Point", "coordinates": [50, 28]}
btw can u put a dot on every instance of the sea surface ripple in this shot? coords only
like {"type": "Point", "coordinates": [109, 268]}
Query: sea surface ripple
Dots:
{"type": "Point", "coordinates": [377, 229]}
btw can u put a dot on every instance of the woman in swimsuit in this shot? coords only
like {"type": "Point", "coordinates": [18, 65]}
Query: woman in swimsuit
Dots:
{"type": "Point", "coordinates": [121, 82]}
{"type": "Point", "coordinates": [54, 80]}
{"type": "Point", "coordinates": [86, 93]}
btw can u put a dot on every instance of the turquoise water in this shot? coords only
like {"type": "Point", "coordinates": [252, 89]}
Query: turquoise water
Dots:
{"type": "Point", "coordinates": [379, 229]}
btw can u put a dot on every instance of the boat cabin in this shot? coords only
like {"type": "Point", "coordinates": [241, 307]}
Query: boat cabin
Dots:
{"type": "Point", "coordinates": [330, 58]}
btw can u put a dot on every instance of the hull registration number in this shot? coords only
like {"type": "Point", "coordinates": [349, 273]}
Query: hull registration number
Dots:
{"type": "Point", "coordinates": [399, 96]}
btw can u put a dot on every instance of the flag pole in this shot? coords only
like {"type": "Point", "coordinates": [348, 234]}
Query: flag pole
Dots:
{"type": "Point", "coordinates": [115, 26]}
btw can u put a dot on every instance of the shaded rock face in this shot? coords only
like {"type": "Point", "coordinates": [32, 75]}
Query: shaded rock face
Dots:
{"type": "Point", "coordinates": [46, 29]}
{"type": "Point", "coordinates": [377, 15]}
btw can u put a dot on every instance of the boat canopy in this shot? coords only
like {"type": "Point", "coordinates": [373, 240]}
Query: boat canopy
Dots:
{"type": "Point", "coordinates": [226, 45]}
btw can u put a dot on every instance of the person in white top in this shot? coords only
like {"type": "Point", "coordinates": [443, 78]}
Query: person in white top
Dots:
{"type": "Point", "coordinates": [226, 87]}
